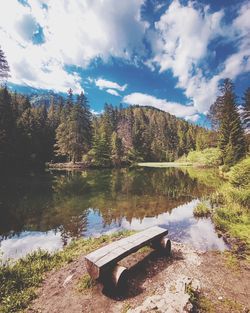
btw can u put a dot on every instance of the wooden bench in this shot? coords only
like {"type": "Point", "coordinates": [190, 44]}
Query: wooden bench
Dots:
{"type": "Point", "coordinates": [105, 259]}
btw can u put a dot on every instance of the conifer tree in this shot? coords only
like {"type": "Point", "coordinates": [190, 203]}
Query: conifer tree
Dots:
{"type": "Point", "coordinates": [4, 66]}
{"type": "Point", "coordinates": [6, 126]}
{"type": "Point", "coordinates": [246, 116]}
{"type": "Point", "coordinates": [225, 116]}
{"type": "Point", "coordinates": [116, 150]}
{"type": "Point", "coordinates": [246, 110]}
{"type": "Point", "coordinates": [100, 152]}
{"type": "Point", "coordinates": [73, 135]}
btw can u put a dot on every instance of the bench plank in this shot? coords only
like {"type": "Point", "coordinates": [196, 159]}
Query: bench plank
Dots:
{"type": "Point", "coordinates": [100, 259]}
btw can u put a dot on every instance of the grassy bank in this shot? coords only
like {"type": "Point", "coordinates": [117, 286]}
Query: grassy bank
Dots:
{"type": "Point", "coordinates": [19, 280]}
{"type": "Point", "coordinates": [231, 213]}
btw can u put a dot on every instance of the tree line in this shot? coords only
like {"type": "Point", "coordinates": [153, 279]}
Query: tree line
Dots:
{"type": "Point", "coordinates": [66, 130]}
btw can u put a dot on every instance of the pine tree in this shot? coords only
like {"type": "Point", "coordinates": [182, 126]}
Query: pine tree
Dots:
{"type": "Point", "coordinates": [116, 150]}
{"type": "Point", "coordinates": [100, 152]}
{"type": "Point", "coordinates": [225, 115]}
{"type": "Point", "coordinates": [6, 127]}
{"type": "Point", "coordinates": [82, 101]}
{"type": "Point", "coordinates": [4, 67]}
{"type": "Point", "coordinates": [246, 116]}
{"type": "Point", "coordinates": [246, 110]}
{"type": "Point", "coordinates": [73, 135]}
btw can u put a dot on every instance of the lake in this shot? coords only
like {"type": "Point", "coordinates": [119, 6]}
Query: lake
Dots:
{"type": "Point", "coordinates": [47, 210]}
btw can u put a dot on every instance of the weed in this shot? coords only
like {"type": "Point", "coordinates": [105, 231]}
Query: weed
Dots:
{"type": "Point", "coordinates": [201, 210]}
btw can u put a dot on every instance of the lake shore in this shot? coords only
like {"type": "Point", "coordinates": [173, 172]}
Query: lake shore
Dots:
{"type": "Point", "coordinates": [59, 282]}
{"type": "Point", "coordinates": [83, 166]}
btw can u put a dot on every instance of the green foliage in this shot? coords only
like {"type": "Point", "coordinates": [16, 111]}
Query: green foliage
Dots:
{"type": "Point", "coordinates": [240, 174]}
{"type": "Point", "coordinates": [18, 280]}
{"type": "Point", "coordinates": [209, 157]}
{"type": "Point", "coordinates": [100, 152]}
{"type": "Point", "coordinates": [201, 210]}
{"type": "Point", "coordinates": [233, 218]}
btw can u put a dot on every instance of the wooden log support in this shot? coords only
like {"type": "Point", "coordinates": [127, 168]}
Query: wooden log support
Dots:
{"type": "Point", "coordinates": [117, 274]}
{"type": "Point", "coordinates": [104, 260]}
{"type": "Point", "coordinates": [166, 246]}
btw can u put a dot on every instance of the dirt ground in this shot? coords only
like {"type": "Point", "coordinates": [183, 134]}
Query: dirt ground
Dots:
{"type": "Point", "coordinates": [154, 284]}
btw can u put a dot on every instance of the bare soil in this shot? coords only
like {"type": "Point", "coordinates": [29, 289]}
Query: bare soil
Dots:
{"type": "Point", "coordinates": [154, 284]}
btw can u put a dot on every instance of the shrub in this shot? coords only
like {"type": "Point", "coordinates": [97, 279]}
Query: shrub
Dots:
{"type": "Point", "coordinates": [208, 157]}
{"type": "Point", "coordinates": [240, 174]}
{"type": "Point", "coordinates": [201, 210]}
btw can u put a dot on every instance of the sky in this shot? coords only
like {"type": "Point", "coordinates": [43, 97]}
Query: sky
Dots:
{"type": "Point", "coordinates": [172, 55]}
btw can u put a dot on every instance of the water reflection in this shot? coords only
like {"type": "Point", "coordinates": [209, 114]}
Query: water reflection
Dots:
{"type": "Point", "coordinates": [95, 201]}
{"type": "Point", "coordinates": [18, 246]}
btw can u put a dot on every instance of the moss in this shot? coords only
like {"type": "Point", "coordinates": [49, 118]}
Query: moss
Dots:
{"type": "Point", "coordinates": [18, 280]}
{"type": "Point", "coordinates": [201, 210]}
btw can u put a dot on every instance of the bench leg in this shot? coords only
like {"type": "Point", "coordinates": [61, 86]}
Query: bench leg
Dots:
{"type": "Point", "coordinates": [166, 246]}
{"type": "Point", "coordinates": [117, 274]}
{"type": "Point", "coordinates": [163, 244]}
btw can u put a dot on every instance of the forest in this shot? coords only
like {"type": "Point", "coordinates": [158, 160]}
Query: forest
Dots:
{"type": "Point", "coordinates": [66, 130]}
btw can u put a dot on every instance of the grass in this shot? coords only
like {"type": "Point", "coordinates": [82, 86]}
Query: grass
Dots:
{"type": "Point", "coordinates": [201, 210]}
{"type": "Point", "coordinates": [232, 215]}
{"type": "Point", "coordinates": [19, 280]}
{"type": "Point", "coordinates": [85, 283]}
{"type": "Point", "coordinates": [202, 304]}
{"type": "Point", "coordinates": [231, 261]}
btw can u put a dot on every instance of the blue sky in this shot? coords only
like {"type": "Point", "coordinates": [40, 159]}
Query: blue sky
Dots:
{"type": "Point", "coordinates": [168, 54]}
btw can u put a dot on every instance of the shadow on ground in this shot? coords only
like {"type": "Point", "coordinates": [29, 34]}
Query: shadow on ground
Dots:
{"type": "Point", "coordinates": [132, 283]}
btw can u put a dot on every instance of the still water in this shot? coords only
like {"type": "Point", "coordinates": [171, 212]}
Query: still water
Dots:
{"type": "Point", "coordinates": [46, 211]}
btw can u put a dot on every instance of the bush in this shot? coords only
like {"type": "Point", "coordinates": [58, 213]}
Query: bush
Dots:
{"type": "Point", "coordinates": [240, 174]}
{"type": "Point", "coordinates": [208, 157]}
{"type": "Point", "coordinates": [201, 210]}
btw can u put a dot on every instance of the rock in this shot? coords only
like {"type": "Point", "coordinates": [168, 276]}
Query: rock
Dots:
{"type": "Point", "coordinates": [67, 280]}
{"type": "Point", "coordinates": [174, 299]}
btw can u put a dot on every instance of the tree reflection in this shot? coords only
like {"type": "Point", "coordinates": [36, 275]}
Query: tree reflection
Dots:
{"type": "Point", "coordinates": [61, 200]}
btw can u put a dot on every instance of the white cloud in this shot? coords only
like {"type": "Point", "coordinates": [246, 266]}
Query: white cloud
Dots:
{"type": "Point", "coordinates": [74, 33]}
{"type": "Point", "coordinates": [180, 43]}
{"type": "Point", "coordinates": [142, 99]}
{"type": "Point", "coordinates": [103, 83]}
{"type": "Point", "coordinates": [113, 92]}
{"type": "Point", "coordinates": [192, 118]}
